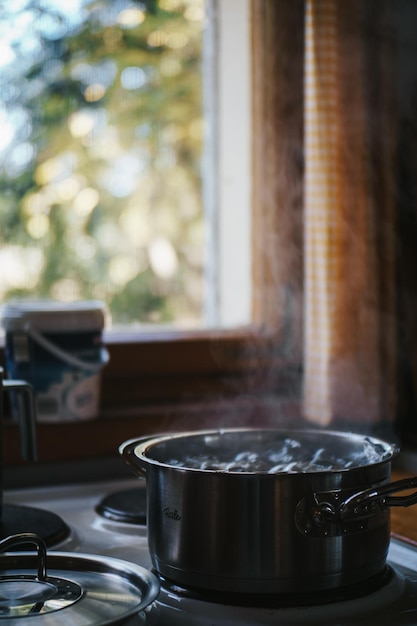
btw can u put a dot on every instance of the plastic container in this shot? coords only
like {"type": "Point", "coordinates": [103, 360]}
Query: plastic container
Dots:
{"type": "Point", "coordinates": [58, 349]}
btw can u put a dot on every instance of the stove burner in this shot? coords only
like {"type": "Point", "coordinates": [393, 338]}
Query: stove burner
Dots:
{"type": "Point", "coordinates": [125, 506]}
{"type": "Point", "coordinates": [21, 519]}
{"type": "Point", "coordinates": [281, 600]}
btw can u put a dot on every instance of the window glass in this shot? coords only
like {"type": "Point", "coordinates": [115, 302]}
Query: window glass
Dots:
{"type": "Point", "coordinates": [100, 155]}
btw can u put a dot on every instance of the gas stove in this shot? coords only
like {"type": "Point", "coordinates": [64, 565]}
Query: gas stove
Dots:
{"type": "Point", "coordinates": [91, 532]}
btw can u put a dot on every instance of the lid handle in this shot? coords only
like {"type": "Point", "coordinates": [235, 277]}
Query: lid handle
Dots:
{"type": "Point", "coordinates": [22, 538]}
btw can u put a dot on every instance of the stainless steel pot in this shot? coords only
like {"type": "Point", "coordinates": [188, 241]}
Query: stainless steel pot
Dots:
{"type": "Point", "coordinates": [259, 532]}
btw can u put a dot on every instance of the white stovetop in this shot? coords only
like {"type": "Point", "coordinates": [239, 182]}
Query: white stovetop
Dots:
{"type": "Point", "coordinates": [91, 533]}
{"type": "Point", "coordinates": [394, 605]}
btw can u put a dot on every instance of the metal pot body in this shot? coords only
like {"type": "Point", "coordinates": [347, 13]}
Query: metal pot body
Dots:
{"type": "Point", "coordinates": [259, 532]}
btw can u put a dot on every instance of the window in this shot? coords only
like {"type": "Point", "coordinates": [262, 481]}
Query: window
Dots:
{"type": "Point", "coordinates": [110, 184]}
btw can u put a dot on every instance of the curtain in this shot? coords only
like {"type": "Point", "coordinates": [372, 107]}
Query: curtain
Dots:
{"type": "Point", "coordinates": [350, 212]}
{"type": "Point", "coordinates": [278, 69]}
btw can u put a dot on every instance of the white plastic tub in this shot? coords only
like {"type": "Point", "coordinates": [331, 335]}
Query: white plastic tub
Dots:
{"type": "Point", "coordinates": [57, 348]}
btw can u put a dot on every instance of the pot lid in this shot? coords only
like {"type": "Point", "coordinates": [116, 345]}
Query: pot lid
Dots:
{"type": "Point", "coordinates": [64, 588]}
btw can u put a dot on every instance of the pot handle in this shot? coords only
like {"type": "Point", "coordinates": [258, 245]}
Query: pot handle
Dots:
{"type": "Point", "coordinates": [366, 502]}
{"type": "Point", "coordinates": [127, 450]}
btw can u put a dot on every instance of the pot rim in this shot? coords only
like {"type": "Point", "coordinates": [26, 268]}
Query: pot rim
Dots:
{"type": "Point", "coordinates": [138, 448]}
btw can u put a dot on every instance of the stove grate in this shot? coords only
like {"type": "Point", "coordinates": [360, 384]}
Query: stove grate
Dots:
{"type": "Point", "coordinates": [127, 506]}
{"type": "Point", "coordinates": [22, 519]}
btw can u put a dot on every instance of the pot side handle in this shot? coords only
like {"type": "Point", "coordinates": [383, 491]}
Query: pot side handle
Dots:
{"type": "Point", "coordinates": [368, 501]}
{"type": "Point", "coordinates": [127, 451]}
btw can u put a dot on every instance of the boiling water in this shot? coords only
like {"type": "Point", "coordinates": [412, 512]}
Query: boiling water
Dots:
{"type": "Point", "coordinates": [287, 456]}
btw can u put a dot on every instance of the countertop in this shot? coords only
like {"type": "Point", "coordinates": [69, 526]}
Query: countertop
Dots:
{"type": "Point", "coordinates": [404, 519]}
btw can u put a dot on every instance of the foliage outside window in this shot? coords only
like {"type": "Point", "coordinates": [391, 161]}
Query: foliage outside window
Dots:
{"type": "Point", "coordinates": [100, 181]}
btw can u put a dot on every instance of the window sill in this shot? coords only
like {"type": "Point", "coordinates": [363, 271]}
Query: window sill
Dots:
{"type": "Point", "coordinates": [159, 370]}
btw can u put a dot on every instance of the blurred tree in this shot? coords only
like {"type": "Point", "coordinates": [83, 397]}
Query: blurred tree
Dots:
{"type": "Point", "coordinates": [100, 182]}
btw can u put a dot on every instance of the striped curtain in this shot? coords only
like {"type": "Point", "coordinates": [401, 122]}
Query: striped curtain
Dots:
{"type": "Point", "coordinates": [349, 222]}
